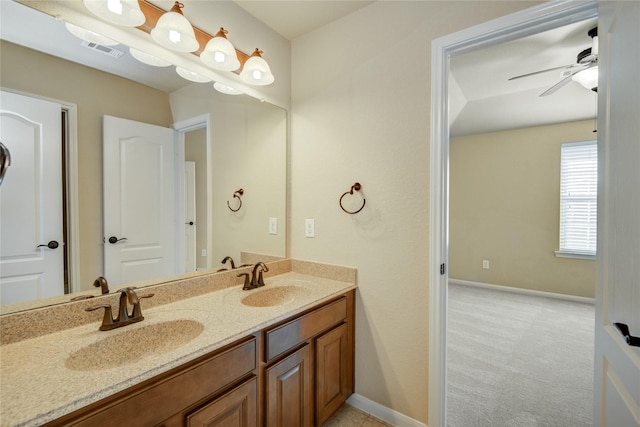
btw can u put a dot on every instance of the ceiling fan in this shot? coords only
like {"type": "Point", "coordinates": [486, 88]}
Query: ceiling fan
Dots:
{"type": "Point", "coordinates": [584, 71]}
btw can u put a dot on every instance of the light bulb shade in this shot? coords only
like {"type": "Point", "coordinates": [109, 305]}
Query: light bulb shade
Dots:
{"type": "Point", "coordinates": [226, 89]}
{"type": "Point", "coordinates": [89, 36]}
{"type": "Point", "coordinates": [220, 54]}
{"type": "Point", "coordinates": [120, 12]}
{"type": "Point", "coordinates": [175, 32]}
{"type": "Point", "coordinates": [587, 78]}
{"type": "Point", "coordinates": [190, 75]}
{"type": "Point", "coordinates": [256, 71]}
{"type": "Point", "coordinates": [148, 59]}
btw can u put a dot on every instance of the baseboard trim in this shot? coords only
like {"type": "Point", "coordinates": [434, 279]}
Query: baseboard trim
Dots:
{"type": "Point", "coordinates": [382, 412]}
{"type": "Point", "coordinates": [564, 297]}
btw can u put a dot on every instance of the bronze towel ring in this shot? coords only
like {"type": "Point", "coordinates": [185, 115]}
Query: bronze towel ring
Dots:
{"type": "Point", "coordinates": [355, 187]}
{"type": "Point", "coordinates": [236, 195]}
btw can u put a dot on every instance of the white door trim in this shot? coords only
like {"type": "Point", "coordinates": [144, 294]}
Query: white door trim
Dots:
{"type": "Point", "coordinates": [520, 24]}
{"type": "Point", "coordinates": [182, 127]}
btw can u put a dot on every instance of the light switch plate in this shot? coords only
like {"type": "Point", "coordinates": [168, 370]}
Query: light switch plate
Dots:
{"type": "Point", "coordinates": [309, 228]}
{"type": "Point", "coordinates": [273, 225]}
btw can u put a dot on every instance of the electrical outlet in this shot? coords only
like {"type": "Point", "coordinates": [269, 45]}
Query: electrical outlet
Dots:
{"type": "Point", "coordinates": [273, 225]}
{"type": "Point", "coordinates": [204, 252]}
{"type": "Point", "coordinates": [485, 264]}
{"type": "Point", "coordinates": [309, 228]}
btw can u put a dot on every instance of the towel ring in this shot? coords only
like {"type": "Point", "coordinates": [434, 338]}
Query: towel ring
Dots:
{"type": "Point", "coordinates": [236, 195]}
{"type": "Point", "coordinates": [355, 187]}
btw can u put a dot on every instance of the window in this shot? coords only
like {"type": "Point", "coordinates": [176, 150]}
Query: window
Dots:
{"type": "Point", "coordinates": [578, 199]}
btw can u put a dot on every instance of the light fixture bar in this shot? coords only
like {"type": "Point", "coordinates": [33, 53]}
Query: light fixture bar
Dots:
{"type": "Point", "coordinates": [153, 13]}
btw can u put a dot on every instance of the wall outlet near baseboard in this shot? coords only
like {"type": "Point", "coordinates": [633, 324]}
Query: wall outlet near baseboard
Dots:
{"type": "Point", "coordinates": [485, 264]}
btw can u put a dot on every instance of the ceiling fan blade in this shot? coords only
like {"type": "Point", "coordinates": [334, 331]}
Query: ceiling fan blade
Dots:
{"type": "Point", "coordinates": [565, 80]}
{"type": "Point", "coordinates": [539, 72]}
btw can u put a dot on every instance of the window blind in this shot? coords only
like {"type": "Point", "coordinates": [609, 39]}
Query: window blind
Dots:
{"type": "Point", "coordinates": [578, 197]}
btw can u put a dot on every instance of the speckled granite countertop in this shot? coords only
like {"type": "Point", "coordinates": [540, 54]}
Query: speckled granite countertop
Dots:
{"type": "Point", "coordinates": [36, 386]}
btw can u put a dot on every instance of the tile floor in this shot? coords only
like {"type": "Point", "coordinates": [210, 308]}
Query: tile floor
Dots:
{"type": "Point", "coordinates": [348, 416]}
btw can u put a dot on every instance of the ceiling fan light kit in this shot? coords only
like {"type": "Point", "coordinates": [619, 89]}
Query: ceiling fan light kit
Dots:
{"type": "Point", "coordinates": [173, 31]}
{"type": "Point", "coordinates": [584, 71]}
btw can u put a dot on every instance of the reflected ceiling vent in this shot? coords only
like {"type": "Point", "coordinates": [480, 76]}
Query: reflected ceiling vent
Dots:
{"type": "Point", "coordinates": [115, 53]}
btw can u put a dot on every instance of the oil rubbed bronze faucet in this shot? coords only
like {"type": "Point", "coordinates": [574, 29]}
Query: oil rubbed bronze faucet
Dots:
{"type": "Point", "coordinates": [101, 283]}
{"type": "Point", "coordinates": [224, 261]}
{"type": "Point", "coordinates": [256, 277]}
{"type": "Point", "coordinates": [124, 317]}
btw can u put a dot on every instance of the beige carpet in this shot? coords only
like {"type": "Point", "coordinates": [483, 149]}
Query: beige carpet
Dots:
{"type": "Point", "coordinates": [516, 360]}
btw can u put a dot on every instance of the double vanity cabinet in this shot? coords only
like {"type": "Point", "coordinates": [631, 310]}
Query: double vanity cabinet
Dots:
{"type": "Point", "coordinates": [295, 372]}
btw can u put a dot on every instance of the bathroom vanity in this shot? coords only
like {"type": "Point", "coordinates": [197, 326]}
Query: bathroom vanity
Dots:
{"type": "Point", "coordinates": [279, 355]}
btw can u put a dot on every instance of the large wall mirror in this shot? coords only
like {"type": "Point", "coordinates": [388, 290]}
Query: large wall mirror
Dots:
{"type": "Point", "coordinates": [229, 169]}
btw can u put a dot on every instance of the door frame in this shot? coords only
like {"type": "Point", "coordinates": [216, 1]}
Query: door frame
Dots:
{"type": "Point", "coordinates": [517, 25]}
{"type": "Point", "coordinates": [182, 127]}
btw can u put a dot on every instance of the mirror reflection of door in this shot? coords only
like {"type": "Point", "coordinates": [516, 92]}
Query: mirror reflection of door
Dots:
{"type": "Point", "coordinates": [139, 201]}
{"type": "Point", "coordinates": [191, 220]}
{"type": "Point", "coordinates": [31, 208]}
{"type": "Point", "coordinates": [195, 151]}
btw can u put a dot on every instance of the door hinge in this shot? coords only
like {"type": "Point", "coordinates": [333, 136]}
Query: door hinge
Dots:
{"type": "Point", "coordinates": [442, 269]}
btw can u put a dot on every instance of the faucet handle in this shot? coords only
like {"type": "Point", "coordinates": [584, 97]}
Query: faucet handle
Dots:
{"type": "Point", "coordinates": [107, 319]}
{"type": "Point", "coordinates": [247, 282]}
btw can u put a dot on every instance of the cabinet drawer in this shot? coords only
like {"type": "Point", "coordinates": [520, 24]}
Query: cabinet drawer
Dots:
{"type": "Point", "coordinates": [159, 398]}
{"type": "Point", "coordinates": [236, 408]}
{"type": "Point", "coordinates": [284, 337]}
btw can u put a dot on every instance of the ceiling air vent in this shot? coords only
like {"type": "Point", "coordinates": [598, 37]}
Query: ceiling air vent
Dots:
{"type": "Point", "coordinates": [103, 49]}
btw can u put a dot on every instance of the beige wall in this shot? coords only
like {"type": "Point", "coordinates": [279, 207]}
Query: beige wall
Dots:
{"type": "Point", "coordinates": [361, 112]}
{"type": "Point", "coordinates": [248, 140]}
{"type": "Point", "coordinates": [96, 94]}
{"type": "Point", "coordinates": [504, 207]}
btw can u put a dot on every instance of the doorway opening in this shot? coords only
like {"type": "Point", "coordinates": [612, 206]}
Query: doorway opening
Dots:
{"type": "Point", "coordinates": [194, 169]}
{"type": "Point", "coordinates": [511, 27]}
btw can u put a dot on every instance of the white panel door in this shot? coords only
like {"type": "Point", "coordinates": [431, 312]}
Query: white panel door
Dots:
{"type": "Point", "coordinates": [31, 200]}
{"type": "Point", "coordinates": [617, 364]}
{"type": "Point", "coordinates": [190, 225]}
{"type": "Point", "coordinates": [139, 201]}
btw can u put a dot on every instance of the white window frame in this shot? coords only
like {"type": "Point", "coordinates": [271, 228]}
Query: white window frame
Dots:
{"type": "Point", "coordinates": [578, 184]}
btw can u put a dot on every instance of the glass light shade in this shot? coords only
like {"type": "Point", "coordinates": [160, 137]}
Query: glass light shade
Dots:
{"type": "Point", "coordinates": [89, 36]}
{"type": "Point", "coordinates": [256, 71]}
{"type": "Point", "coordinates": [226, 89]}
{"type": "Point", "coordinates": [148, 59]}
{"type": "Point", "coordinates": [220, 54]}
{"type": "Point", "coordinates": [190, 75]}
{"type": "Point", "coordinates": [587, 78]}
{"type": "Point", "coordinates": [120, 12]}
{"type": "Point", "coordinates": [174, 31]}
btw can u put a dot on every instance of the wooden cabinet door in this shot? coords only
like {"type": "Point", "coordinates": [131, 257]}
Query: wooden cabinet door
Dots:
{"type": "Point", "coordinates": [288, 394]}
{"type": "Point", "coordinates": [237, 408]}
{"type": "Point", "coordinates": [332, 372]}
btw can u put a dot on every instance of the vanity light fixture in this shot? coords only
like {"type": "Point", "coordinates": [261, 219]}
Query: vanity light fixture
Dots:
{"type": "Point", "coordinates": [220, 54]}
{"type": "Point", "coordinates": [174, 31]}
{"type": "Point", "coordinates": [120, 12]}
{"type": "Point", "coordinates": [89, 36]}
{"type": "Point", "coordinates": [147, 58]}
{"type": "Point", "coordinates": [256, 71]}
{"type": "Point", "coordinates": [228, 90]}
{"type": "Point", "coordinates": [190, 75]}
